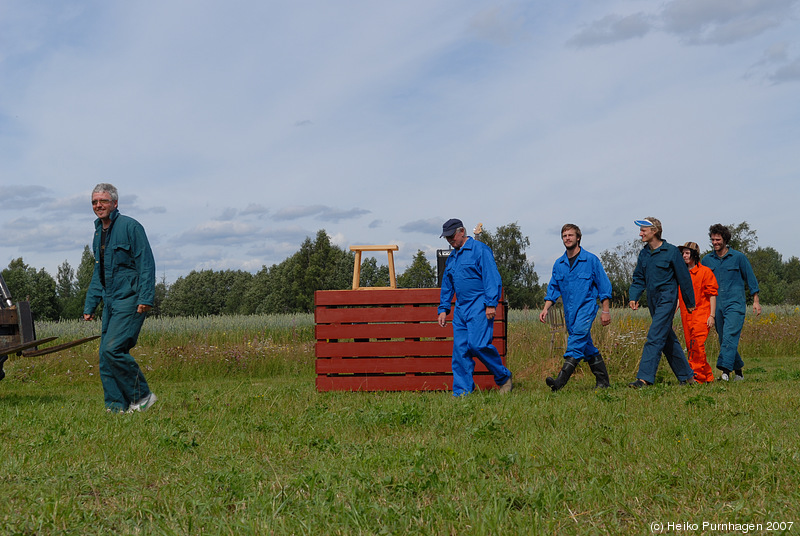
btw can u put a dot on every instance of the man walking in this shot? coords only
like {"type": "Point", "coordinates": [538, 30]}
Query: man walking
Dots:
{"type": "Point", "coordinates": [697, 324]}
{"type": "Point", "coordinates": [733, 271]}
{"type": "Point", "coordinates": [124, 279]}
{"type": "Point", "coordinates": [471, 273]}
{"type": "Point", "coordinates": [578, 277]}
{"type": "Point", "coordinates": [660, 270]}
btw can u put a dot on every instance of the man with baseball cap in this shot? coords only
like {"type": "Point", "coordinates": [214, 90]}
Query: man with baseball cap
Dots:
{"type": "Point", "coordinates": [661, 271]}
{"type": "Point", "coordinates": [697, 324]}
{"type": "Point", "coordinates": [471, 273]}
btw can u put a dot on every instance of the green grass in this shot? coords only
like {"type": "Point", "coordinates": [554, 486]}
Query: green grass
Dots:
{"type": "Point", "coordinates": [248, 446]}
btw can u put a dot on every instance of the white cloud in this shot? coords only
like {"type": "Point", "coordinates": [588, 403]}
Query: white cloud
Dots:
{"type": "Point", "coordinates": [236, 131]}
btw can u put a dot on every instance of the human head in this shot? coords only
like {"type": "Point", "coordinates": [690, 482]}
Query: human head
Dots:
{"type": "Point", "coordinates": [454, 232]}
{"type": "Point", "coordinates": [108, 188]}
{"type": "Point", "coordinates": [650, 221]}
{"type": "Point", "coordinates": [451, 226]}
{"type": "Point", "coordinates": [721, 230]}
{"type": "Point", "coordinates": [573, 227]}
{"type": "Point", "coordinates": [693, 249]}
{"type": "Point", "coordinates": [104, 202]}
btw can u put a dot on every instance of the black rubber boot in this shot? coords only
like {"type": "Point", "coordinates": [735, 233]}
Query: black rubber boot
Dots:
{"type": "Point", "coordinates": [563, 376]}
{"type": "Point", "coordinates": [598, 368]}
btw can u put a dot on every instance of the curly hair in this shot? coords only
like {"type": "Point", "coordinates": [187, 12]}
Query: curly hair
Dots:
{"type": "Point", "coordinates": [721, 230]}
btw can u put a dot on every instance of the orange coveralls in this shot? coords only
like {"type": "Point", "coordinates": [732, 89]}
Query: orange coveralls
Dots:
{"type": "Point", "coordinates": [695, 326]}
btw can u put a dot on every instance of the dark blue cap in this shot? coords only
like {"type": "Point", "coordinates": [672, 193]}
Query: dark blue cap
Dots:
{"type": "Point", "coordinates": [450, 227]}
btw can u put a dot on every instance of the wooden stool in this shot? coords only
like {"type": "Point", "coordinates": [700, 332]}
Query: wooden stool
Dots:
{"type": "Point", "coordinates": [357, 268]}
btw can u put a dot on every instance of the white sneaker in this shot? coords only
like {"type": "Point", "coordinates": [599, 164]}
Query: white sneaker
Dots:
{"type": "Point", "coordinates": [738, 377]}
{"type": "Point", "coordinates": [725, 377]}
{"type": "Point", "coordinates": [145, 403]}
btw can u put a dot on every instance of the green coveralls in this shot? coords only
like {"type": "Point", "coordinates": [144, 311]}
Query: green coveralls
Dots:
{"type": "Point", "coordinates": [130, 276]}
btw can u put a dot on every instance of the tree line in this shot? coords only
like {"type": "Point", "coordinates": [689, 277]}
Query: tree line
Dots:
{"type": "Point", "coordinates": [288, 287]}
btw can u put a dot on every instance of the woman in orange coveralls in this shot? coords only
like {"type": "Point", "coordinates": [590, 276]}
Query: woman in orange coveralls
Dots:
{"type": "Point", "coordinates": [697, 324]}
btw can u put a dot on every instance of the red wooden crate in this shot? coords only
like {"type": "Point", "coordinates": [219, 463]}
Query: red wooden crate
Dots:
{"type": "Point", "coordinates": [389, 340]}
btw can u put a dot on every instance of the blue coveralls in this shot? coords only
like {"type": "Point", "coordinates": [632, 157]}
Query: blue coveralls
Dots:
{"type": "Point", "coordinates": [472, 274]}
{"type": "Point", "coordinates": [130, 276]}
{"type": "Point", "coordinates": [580, 286]}
{"type": "Point", "coordinates": [660, 271]}
{"type": "Point", "coordinates": [732, 272]}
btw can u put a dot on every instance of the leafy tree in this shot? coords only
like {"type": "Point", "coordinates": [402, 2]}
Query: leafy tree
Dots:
{"type": "Point", "coordinates": [25, 283]}
{"type": "Point", "coordinates": [84, 279]}
{"type": "Point", "coordinates": [768, 267]}
{"type": "Point", "coordinates": [793, 293]}
{"type": "Point", "coordinates": [69, 302]}
{"type": "Point", "coordinates": [520, 281]}
{"type": "Point", "coordinates": [791, 270]}
{"type": "Point", "coordinates": [743, 238]}
{"type": "Point", "coordinates": [289, 287]}
{"type": "Point", "coordinates": [619, 264]}
{"type": "Point", "coordinates": [373, 275]}
{"type": "Point", "coordinates": [420, 274]}
{"type": "Point", "coordinates": [206, 293]}
{"type": "Point", "coordinates": [161, 293]}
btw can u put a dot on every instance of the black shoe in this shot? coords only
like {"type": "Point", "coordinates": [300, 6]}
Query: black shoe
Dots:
{"type": "Point", "coordinates": [638, 384]}
{"type": "Point", "coordinates": [563, 376]}
{"type": "Point", "coordinates": [690, 381]}
{"type": "Point", "coordinates": [598, 368]}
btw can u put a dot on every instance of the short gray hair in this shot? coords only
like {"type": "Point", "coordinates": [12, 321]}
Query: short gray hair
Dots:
{"type": "Point", "coordinates": [110, 189]}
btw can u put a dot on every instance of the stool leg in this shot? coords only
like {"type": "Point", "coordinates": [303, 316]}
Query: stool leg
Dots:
{"type": "Point", "coordinates": [357, 271]}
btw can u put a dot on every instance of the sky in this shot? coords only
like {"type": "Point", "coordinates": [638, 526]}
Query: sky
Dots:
{"type": "Point", "coordinates": [234, 130]}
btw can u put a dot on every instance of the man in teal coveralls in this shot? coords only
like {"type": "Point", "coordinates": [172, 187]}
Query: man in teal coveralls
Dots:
{"type": "Point", "coordinates": [732, 270]}
{"type": "Point", "coordinates": [471, 273]}
{"type": "Point", "coordinates": [579, 278]}
{"type": "Point", "coordinates": [660, 269]}
{"type": "Point", "coordinates": [124, 279]}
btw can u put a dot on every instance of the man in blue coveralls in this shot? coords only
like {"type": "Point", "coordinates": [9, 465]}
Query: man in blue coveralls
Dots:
{"type": "Point", "coordinates": [732, 270]}
{"type": "Point", "coordinates": [471, 273]}
{"type": "Point", "coordinates": [660, 269]}
{"type": "Point", "coordinates": [579, 278]}
{"type": "Point", "coordinates": [124, 279]}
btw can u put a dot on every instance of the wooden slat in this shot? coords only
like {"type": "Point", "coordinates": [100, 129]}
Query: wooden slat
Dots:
{"type": "Point", "coordinates": [406, 313]}
{"type": "Point", "coordinates": [388, 365]}
{"type": "Point", "coordinates": [392, 348]}
{"type": "Point", "coordinates": [377, 297]}
{"type": "Point", "coordinates": [389, 331]}
{"type": "Point", "coordinates": [327, 315]}
{"type": "Point", "coordinates": [396, 383]}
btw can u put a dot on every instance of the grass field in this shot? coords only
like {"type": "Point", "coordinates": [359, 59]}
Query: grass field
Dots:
{"type": "Point", "coordinates": [241, 443]}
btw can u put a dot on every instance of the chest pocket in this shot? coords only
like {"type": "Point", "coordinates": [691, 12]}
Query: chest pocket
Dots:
{"type": "Point", "coordinates": [123, 256]}
{"type": "Point", "coordinates": [467, 270]}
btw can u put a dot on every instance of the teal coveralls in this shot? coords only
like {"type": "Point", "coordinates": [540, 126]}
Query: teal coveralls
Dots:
{"type": "Point", "coordinates": [732, 272]}
{"type": "Point", "coordinates": [130, 277]}
{"type": "Point", "coordinates": [661, 271]}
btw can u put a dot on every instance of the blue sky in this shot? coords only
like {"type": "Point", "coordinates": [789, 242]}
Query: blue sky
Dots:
{"type": "Point", "coordinates": [234, 130]}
